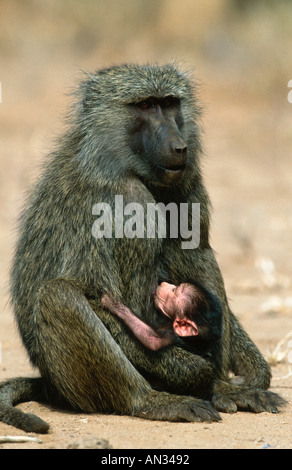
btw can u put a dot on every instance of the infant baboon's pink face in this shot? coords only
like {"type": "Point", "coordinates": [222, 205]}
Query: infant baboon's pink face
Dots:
{"type": "Point", "coordinates": [176, 303]}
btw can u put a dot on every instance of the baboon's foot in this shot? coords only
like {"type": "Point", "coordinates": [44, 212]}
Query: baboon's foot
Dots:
{"type": "Point", "coordinates": [231, 398]}
{"type": "Point", "coordinates": [164, 406]}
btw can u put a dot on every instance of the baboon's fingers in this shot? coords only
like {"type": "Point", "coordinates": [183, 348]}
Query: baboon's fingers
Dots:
{"type": "Point", "coordinates": [257, 400]}
{"type": "Point", "coordinates": [224, 404]}
{"type": "Point", "coordinates": [168, 407]}
{"type": "Point", "coordinates": [205, 411]}
{"type": "Point", "coordinates": [249, 399]}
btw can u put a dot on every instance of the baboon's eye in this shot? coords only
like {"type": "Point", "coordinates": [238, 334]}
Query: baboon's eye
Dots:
{"type": "Point", "coordinates": [170, 101]}
{"type": "Point", "coordinates": [152, 103]}
{"type": "Point", "coordinates": [145, 104]}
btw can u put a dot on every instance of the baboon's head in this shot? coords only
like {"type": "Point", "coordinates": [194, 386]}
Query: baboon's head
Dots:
{"type": "Point", "coordinates": [140, 121]}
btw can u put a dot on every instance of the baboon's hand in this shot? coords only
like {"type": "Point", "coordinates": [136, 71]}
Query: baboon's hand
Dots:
{"type": "Point", "coordinates": [163, 406]}
{"type": "Point", "coordinates": [230, 398]}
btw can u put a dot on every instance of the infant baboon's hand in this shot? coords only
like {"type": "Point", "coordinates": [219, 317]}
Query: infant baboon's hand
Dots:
{"type": "Point", "coordinates": [108, 302]}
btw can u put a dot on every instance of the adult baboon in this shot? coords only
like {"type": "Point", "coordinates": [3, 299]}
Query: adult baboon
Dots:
{"type": "Point", "coordinates": [135, 132]}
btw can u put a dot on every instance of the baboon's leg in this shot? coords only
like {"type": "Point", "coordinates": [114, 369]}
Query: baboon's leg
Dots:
{"type": "Point", "coordinates": [79, 358]}
{"type": "Point", "coordinates": [246, 359]}
{"type": "Point", "coordinates": [239, 353]}
{"type": "Point", "coordinates": [246, 389]}
{"type": "Point", "coordinates": [173, 368]}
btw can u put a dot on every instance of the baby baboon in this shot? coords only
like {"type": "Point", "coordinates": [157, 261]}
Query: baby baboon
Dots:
{"type": "Point", "coordinates": [135, 133]}
{"type": "Point", "coordinates": [189, 312]}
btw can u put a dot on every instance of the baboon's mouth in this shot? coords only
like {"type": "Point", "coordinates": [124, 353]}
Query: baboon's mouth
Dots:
{"type": "Point", "coordinates": [173, 168]}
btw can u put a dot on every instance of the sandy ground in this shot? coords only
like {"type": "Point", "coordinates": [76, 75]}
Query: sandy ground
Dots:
{"type": "Point", "coordinates": [248, 172]}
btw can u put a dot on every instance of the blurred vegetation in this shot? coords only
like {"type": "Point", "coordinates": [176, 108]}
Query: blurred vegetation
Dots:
{"type": "Point", "coordinates": [243, 39]}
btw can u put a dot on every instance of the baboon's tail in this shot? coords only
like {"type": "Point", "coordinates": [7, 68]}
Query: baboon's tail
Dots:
{"type": "Point", "coordinates": [19, 390]}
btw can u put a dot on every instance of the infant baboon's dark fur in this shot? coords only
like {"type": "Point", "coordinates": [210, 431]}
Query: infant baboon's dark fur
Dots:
{"type": "Point", "coordinates": [135, 132]}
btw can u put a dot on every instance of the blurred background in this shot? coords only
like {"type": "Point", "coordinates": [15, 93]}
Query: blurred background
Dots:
{"type": "Point", "coordinates": [241, 53]}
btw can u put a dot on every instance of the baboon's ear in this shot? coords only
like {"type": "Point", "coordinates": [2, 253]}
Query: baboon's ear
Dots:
{"type": "Point", "coordinates": [86, 97]}
{"type": "Point", "coordinates": [89, 93]}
